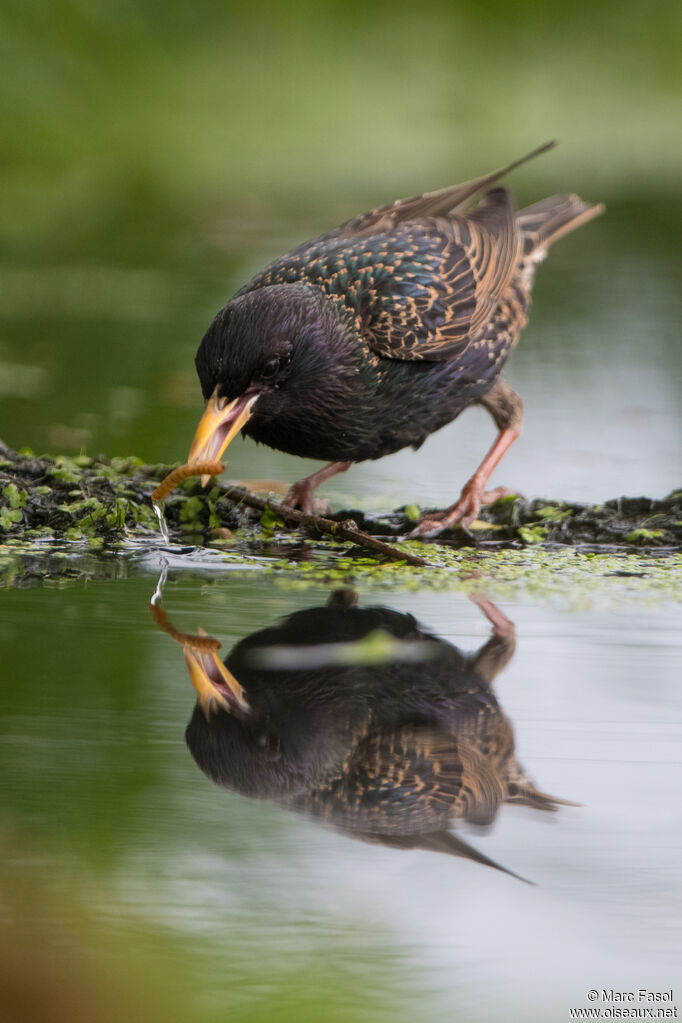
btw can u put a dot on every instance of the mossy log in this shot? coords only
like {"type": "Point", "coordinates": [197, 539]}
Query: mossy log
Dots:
{"type": "Point", "coordinates": [99, 499]}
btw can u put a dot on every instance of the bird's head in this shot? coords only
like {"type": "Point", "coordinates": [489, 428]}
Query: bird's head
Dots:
{"type": "Point", "coordinates": [266, 350]}
{"type": "Point", "coordinates": [260, 744]}
{"type": "Point", "coordinates": [279, 715]}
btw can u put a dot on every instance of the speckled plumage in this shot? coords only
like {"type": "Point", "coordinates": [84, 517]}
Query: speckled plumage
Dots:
{"type": "Point", "coordinates": [421, 289]}
{"type": "Point", "coordinates": [383, 330]}
{"type": "Point", "coordinates": [393, 753]}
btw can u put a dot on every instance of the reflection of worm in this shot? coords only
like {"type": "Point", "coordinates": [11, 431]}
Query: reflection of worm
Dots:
{"type": "Point", "coordinates": [199, 642]}
{"type": "Point", "coordinates": [183, 472]}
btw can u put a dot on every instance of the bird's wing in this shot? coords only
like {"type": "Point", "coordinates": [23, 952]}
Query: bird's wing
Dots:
{"type": "Point", "coordinates": [410, 781]}
{"type": "Point", "coordinates": [447, 277]}
{"type": "Point", "coordinates": [443, 203]}
{"type": "Point", "coordinates": [419, 275]}
{"type": "Point", "coordinates": [420, 289]}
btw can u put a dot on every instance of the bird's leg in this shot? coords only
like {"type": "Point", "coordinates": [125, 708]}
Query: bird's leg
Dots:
{"type": "Point", "coordinates": [502, 626]}
{"type": "Point", "coordinates": [499, 650]}
{"type": "Point", "coordinates": [301, 494]}
{"type": "Point", "coordinates": [506, 408]}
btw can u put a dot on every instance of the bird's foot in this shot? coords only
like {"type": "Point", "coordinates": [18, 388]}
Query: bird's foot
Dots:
{"type": "Point", "coordinates": [302, 496]}
{"type": "Point", "coordinates": [462, 513]}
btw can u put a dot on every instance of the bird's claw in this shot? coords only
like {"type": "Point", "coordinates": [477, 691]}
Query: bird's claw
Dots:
{"type": "Point", "coordinates": [433, 525]}
{"type": "Point", "coordinates": [302, 496]}
{"type": "Point", "coordinates": [463, 513]}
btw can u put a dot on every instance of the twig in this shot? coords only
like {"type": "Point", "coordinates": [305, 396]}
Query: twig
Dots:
{"type": "Point", "coordinates": [346, 530]}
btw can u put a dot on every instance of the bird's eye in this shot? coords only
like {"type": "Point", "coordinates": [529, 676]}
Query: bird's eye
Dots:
{"type": "Point", "coordinates": [270, 369]}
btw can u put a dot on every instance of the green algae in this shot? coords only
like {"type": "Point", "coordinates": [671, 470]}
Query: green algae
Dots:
{"type": "Point", "coordinates": [552, 512]}
{"type": "Point", "coordinates": [9, 517]}
{"type": "Point", "coordinates": [59, 513]}
{"type": "Point", "coordinates": [111, 497]}
{"type": "Point", "coordinates": [568, 576]}
{"type": "Point", "coordinates": [643, 535]}
{"type": "Point", "coordinates": [572, 578]}
{"type": "Point", "coordinates": [412, 512]}
{"type": "Point", "coordinates": [533, 533]}
{"type": "Point", "coordinates": [15, 498]}
{"type": "Point", "coordinates": [269, 520]}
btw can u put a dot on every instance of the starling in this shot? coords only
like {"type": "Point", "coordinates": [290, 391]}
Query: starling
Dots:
{"type": "Point", "coordinates": [360, 718]}
{"type": "Point", "coordinates": [369, 338]}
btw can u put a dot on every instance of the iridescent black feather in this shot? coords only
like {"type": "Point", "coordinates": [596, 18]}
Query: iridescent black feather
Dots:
{"type": "Point", "coordinates": [395, 322]}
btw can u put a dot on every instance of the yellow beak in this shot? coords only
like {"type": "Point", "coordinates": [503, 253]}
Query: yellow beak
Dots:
{"type": "Point", "coordinates": [220, 423]}
{"type": "Point", "coordinates": [215, 686]}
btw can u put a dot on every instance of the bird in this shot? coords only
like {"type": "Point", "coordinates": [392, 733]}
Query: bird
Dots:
{"type": "Point", "coordinates": [391, 749]}
{"type": "Point", "coordinates": [369, 338]}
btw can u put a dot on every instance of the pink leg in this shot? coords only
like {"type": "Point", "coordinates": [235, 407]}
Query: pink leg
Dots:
{"type": "Point", "coordinates": [301, 494]}
{"type": "Point", "coordinates": [507, 410]}
{"type": "Point", "coordinates": [466, 509]}
{"type": "Point", "coordinates": [499, 650]}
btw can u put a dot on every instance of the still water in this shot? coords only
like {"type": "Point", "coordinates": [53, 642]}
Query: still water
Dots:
{"type": "Point", "coordinates": [128, 865]}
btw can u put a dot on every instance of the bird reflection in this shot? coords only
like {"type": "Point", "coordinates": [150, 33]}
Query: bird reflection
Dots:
{"type": "Point", "coordinates": [361, 718]}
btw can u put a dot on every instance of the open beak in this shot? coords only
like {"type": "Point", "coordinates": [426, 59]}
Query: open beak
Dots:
{"type": "Point", "coordinates": [216, 688]}
{"type": "Point", "coordinates": [220, 422]}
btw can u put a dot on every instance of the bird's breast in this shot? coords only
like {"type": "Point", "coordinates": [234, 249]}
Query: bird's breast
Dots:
{"type": "Point", "coordinates": [371, 414]}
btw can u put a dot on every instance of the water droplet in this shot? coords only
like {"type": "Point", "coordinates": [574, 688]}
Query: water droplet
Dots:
{"type": "Point", "coordinates": [158, 509]}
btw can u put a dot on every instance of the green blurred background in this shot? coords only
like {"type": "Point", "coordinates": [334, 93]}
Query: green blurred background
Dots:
{"type": "Point", "coordinates": [153, 155]}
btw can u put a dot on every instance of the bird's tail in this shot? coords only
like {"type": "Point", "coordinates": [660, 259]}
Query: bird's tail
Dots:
{"type": "Point", "coordinates": [545, 222]}
{"type": "Point", "coordinates": [439, 841]}
{"type": "Point", "coordinates": [521, 790]}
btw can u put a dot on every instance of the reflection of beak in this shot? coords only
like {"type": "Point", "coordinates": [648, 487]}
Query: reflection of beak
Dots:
{"type": "Point", "coordinates": [216, 687]}
{"type": "Point", "coordinates": [219, 424]}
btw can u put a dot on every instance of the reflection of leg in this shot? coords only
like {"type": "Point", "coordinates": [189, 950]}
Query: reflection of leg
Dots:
{"type": "Point", "coordinates": [499, 650]}
{"type": "Point", "coordinates": [343, 598]}
{"type": "Point", "coordinates": [301, 494]}
{"type": "Point", "coordinates": [502, 626]}
{"type": "Point", "coordinates": [506, 408]}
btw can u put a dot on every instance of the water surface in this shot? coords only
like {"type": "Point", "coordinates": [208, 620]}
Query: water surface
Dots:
{"type": "Point", "coordinates": [240, 904]}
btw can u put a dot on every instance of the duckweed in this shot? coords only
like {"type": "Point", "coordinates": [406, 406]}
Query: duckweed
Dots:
{"type": "Point", "coordinates": [642, 535]}
{"type": "Point", "coordinates": [533, 533]}
{"type": "Point", "coordinates": [100, 509]}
